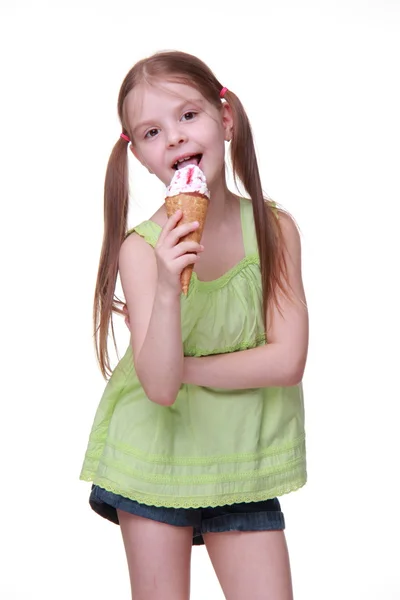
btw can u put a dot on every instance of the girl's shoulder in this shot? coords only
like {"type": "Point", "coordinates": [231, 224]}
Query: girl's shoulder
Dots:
{"type": "Point", "coordinates": [150, 229]}
{"type": "Point", "coordinates": [287, 222]}
{"type": "Point", "coordinates": [273, 207]}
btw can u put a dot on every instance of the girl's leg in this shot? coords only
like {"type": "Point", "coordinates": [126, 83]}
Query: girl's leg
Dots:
{"type": "Point", "coordinates": [158, 558]}
{"type": "Point", "coordinates": [252, 564]}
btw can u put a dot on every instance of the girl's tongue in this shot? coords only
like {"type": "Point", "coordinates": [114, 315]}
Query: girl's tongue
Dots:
{"type": "Point", "coordinates": [193, 160]}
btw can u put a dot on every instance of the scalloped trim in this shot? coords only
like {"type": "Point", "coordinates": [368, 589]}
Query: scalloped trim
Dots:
{"type": "Point", "coordinates": [204, 501]}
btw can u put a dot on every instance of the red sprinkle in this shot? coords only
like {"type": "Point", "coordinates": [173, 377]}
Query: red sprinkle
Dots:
{"type": "Point", "coordinates": [189, 175]}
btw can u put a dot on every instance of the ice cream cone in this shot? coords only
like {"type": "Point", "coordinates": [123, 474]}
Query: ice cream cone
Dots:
{"type": "Point", "coordinates": [189, 193]}
{"type": "Point", "coordinates": [194, 208]}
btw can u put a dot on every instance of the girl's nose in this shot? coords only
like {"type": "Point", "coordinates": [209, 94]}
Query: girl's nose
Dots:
{"type": "Point", "coordinates": [175, 137]}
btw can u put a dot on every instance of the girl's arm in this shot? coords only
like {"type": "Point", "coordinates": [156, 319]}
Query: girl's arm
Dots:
{"type": "Point", "coordinates": [151, 284]}
{"type": "Point", "coordinates": [281, 362]}
{"type": "Point", "coordinates": [155, 322]}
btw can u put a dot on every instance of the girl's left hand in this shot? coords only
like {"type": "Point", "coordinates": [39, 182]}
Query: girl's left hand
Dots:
{"type": "Point", "coordinates": [126, 315]}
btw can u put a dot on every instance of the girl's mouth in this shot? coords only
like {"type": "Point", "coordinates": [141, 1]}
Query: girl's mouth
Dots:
{"type": "Point", "coordinates": [193, 159]}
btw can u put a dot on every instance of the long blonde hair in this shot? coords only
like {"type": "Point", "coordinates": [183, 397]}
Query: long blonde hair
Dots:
{"type": "Point", "coordinates": [183, 68]}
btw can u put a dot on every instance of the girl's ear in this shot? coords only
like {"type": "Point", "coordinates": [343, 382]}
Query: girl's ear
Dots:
{"type": "Point", "coordinates": [227, 121]}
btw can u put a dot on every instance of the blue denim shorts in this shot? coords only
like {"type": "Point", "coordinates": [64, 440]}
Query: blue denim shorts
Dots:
{"type": "Point", "coordinates": [246, 516]}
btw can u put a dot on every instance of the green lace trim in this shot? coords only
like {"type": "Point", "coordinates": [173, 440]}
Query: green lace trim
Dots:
{"type": "Point", "coordinates": [198, 502]}
{"type": "Point", "coordinates": [162, 459]}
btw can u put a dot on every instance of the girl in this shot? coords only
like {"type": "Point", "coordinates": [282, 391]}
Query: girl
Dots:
{"type": "Point", "coordinates": [201, 425]}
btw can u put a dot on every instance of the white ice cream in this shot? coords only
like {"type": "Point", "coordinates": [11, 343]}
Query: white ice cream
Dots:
{"type": "Point", "coordinates": [187, 180]}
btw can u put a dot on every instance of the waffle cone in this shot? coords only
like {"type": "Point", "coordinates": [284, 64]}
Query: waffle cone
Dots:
{"type": "Point", "coordinates": [194, 208]}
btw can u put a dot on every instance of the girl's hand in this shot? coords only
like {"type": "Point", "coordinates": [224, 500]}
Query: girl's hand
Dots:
{"type": "Point", "coordinates": [178, 249]}
{"type": "Point", "coordinates": [172, 255]}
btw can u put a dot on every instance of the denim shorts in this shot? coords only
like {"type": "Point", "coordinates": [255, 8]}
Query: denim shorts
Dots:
{"type": "Point", "coordinates": [265, 515]}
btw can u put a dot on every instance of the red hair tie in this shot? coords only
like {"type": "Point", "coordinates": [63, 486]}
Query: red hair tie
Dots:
{"type": "Point", "coordinates": [223, 92]}
{"type": "Point", "coordinates": [125, 137]}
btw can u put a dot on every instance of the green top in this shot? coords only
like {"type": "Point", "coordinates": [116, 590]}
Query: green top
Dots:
{"type": "Point", "coordinates": [212, 446]}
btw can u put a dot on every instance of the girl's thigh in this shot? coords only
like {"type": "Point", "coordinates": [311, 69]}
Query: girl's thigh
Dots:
{"type": "Point", "coordinates": [158, 558]}
{"type": "Point", "coordinates": [252, 564]}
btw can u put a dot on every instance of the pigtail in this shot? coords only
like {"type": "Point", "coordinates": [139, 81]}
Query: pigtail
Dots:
{"type": "Point", "coordinates": [116, 195]}
{"type": "Point", "coordinates": [269, 238]}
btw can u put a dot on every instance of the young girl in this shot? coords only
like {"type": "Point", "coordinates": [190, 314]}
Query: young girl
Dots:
{"type": "Point", "coordinates": [201, 425]}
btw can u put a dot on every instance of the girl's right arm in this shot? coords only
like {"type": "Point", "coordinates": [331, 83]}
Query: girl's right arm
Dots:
{"type": "Point", "coordinates": [151, 284]}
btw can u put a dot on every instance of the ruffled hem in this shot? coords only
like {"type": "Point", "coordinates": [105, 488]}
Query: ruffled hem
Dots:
{"type": "Point", "coordinates": [203, 501]}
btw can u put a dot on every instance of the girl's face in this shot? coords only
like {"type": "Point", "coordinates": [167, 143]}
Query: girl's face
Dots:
{"type": "Point", "coordinates": [170, 122]}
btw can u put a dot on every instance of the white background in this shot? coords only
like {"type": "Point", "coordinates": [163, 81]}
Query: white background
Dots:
{"type": "Point", "coordinates": [320, 82]}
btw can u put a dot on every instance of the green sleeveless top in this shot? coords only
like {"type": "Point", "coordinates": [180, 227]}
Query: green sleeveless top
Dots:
{"type": "Point", "coordinates": [212, 447]}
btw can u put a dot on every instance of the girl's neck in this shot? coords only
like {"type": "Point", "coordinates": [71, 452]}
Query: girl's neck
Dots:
{"type": "Point", "coordinates": [221, 204]}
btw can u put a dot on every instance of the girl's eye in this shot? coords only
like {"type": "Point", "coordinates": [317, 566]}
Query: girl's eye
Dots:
{"type": "Point", "coordinates": [189, 115]}
{"type": "Point", "coordinates": [151, 133]}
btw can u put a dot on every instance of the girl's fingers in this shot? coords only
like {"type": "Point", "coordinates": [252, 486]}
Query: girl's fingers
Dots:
{"type": "Point", "coordinates": [180, 232]}
{"type": "Point", "coordinates": [185, 261]}
{"type": "Point", "coordinates": [170, 225]}
{"type": "Point", "coordinates": [185, 248]}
